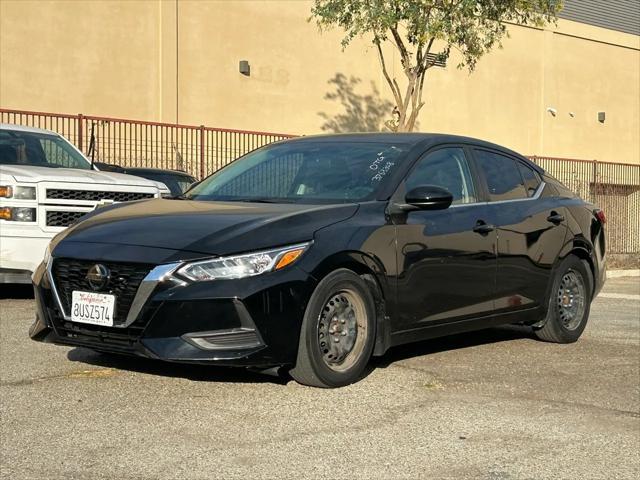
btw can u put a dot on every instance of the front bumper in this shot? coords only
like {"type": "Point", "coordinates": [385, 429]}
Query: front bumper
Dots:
{"type": "Point", "coordinates": [20, 255]}
{"type": "Point", "coordinates": [247, 322]}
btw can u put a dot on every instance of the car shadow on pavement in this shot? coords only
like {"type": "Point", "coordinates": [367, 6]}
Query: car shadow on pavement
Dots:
{"type": "Point", "coordinates": [195, 372]}
{"type": "Point", "coordinates": [453, 342]}
{"type": "Point", "coordinates": [209, 373]}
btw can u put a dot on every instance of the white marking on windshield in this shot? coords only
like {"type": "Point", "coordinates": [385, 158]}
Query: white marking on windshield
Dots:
{"type": "Point", "coordinates": [380, 167]}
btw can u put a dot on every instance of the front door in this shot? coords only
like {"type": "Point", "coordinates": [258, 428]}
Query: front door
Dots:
{"type": "Point", "coordinates": [446, 258]}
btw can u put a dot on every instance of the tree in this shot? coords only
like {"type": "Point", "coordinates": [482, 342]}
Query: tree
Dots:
{"type": "Point", "coordinates": [425, 32]}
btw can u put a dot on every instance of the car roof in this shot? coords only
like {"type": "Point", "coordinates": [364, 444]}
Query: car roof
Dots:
{"type": "Point", "coordinates": [22, 128]}
{"type": "Point", "coordinates": [426, 140]}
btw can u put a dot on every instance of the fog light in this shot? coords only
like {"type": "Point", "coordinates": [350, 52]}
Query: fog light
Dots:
{"type": "Point", "coordinates": [18, 214]}
{"type": "Point", "coordinates": [233, 339]}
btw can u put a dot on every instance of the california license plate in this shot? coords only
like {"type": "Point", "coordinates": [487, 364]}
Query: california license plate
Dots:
{"type": "Point", "coordinates": [93, 308]}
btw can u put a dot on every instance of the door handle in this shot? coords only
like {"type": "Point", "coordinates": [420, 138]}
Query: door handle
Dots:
{"type": "Point", "coordinates": [555, 218]}
{"type": "Point", "coordinates": [483, 228]}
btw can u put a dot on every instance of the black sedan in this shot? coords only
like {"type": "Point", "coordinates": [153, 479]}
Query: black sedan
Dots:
{"type": "Point", "coordinates": [316, 253]}
{"type": "Point", "coordinates": [176, 181]}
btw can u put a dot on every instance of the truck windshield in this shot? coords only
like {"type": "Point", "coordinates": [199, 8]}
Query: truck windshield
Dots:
{"type": "Point", "coordinates": [39, 150]}
{"type": "Point", "coordinates": [304, 172]}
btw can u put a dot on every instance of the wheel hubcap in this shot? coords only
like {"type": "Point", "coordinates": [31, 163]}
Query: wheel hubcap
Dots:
{"type": "Point", "coordinates": [342, 330]}
{"type": "Point", "coordinates": [570, 300]}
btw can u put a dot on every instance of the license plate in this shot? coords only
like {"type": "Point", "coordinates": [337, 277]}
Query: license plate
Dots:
{"type": "Point", "coordinates": [93, 308]}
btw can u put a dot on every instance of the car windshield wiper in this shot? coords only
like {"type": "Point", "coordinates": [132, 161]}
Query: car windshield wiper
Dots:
{"type": "Point", "coordinates": [264, 200]}
{"type": "Point", "coordinates": [227, 199]}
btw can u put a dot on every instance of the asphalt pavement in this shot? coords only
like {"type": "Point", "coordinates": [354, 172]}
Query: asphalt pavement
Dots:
{"type": "Point", "coordinates": [495, 404]}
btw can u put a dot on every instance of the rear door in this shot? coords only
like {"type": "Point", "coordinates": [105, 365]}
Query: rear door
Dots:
{"type": "Point", "coordinates": [530, 229]}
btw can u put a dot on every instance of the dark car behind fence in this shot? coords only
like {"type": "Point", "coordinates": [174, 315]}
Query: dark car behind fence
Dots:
{"type": "Point", "coordinates": [200, 150]}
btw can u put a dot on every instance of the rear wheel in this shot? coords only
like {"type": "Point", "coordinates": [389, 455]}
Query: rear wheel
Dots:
{"type": "Point", "coordinates": [337, 334]}
{"type": "Point", "coordinates": [569, 302]}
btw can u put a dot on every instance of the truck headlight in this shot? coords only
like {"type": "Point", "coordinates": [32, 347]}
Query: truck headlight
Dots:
{"type": "Point", "coordinates": [18, 192]}
{"type": "Point", "coordinates": [18, 214]}
{"type": "Point", "coordinates": [240, 266]}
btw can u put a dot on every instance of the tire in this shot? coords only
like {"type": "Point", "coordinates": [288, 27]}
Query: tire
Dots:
{"type": "Point", "coordinates": [342, 312]}
{"type": "Point", "coordinates": [569, 302]}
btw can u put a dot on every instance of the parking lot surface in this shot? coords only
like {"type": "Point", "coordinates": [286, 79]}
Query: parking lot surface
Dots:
{"type": "Point", "coordinates": [495, 404]}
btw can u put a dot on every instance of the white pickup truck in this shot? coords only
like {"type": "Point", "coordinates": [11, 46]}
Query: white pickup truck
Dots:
{"type": "Point", "coordinates": [46, 184]}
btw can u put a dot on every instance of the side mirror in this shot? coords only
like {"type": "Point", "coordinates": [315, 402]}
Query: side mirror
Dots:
{"type": "Point", "coordinates": [429, 197]}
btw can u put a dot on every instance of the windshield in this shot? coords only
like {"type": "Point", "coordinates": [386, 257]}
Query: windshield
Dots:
{"type": "Point", "coordinates": [39, 150]}
{"type": "Point", "coordinates": [304, 172]}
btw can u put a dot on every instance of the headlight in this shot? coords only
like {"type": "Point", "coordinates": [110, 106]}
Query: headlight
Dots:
{"type": "Point", "coordinates": [18, 214]}
{"type": "Point", "coordinates": [240, 266]}
{"type": "Point", "coordinates": [18, 192]}
{"type": "Point", "coordinates": [24, 193]}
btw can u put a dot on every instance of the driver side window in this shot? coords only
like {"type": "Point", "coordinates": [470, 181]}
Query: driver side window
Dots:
{"type": "Point", "coordinates": [446, 168]}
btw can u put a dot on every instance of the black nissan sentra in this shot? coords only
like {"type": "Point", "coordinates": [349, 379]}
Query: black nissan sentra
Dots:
{"type": "Point", "coordinates": [316, 253]}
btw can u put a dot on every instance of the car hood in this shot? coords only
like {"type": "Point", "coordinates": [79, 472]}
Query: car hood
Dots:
{"type": "Point", "coordinates": [32, 174]}
{"type": "Point", "coordinates": [208, 228]}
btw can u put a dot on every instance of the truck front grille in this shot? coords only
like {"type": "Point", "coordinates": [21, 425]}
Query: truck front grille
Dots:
{"type": "Point", "coordinates": [125, 278]}
{"type": "Point", "coordinates": [95, 195]}
{"type": "Point", "coordinates": [62, 219]}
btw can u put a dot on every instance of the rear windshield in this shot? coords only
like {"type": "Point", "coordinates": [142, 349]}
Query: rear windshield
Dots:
{"type": "Point", "coordinates": [39, 150]}
{"type": "Point", "coordinates": [304, 172]}
{"type": "Point", "coordinates": [175, 182]}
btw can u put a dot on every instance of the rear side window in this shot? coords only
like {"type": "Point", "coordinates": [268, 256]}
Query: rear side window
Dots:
{"type": "Point", "coordinates": [503, 176]}
{"type": "Point", "coordinates": [530, 177]}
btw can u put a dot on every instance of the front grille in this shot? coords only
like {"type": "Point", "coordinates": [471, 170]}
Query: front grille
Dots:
{"type": "Point", "coordinates": [70, 275]}
{"type": "Point", "coordinates": [109, 338]}
{"type": "Point", "coordinates": [62, 219]}
{"type": "Point", "coordinates": [95, 195]}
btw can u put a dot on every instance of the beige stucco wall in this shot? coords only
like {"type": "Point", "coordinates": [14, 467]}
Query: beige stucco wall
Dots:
{"type": "Point", "coordinates": [158, 60]}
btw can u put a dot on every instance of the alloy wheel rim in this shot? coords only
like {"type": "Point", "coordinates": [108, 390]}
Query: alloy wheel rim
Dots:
{"type": "Point", "coordinates": [342, 330]}
{"type": "Point", "coordinates": [571, 300]}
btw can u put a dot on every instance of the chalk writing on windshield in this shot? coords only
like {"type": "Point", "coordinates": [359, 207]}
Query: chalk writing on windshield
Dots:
{"type": "Point", "coordinates": [381, 167]}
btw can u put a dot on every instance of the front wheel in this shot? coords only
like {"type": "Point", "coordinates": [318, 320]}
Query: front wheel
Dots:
{"type": "Point", "coordinates": [569, 302]}
{"type": "Point", "coordinates": [338, 332]}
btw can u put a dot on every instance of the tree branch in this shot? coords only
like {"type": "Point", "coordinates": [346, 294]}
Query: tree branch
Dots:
{"type": "Point", "coordinates": [392, 83]}
{"type": "Point", "coordinates": [401, 47]}
{"type": "Point", "coordinates": [426, 54]}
